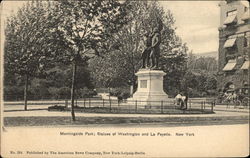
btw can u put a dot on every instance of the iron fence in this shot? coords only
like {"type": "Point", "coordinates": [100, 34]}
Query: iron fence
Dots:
{"type": "Point", "coordinates": [138, 106]}
{"type": "Point", "coordinates": [99, 105]}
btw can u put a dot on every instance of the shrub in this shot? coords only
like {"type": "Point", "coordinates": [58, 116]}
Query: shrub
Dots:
{"type": "Point", "coordinates": [85, 92]}
{"type": "Point", "coordinates": [194, 93]}
{"type": "Point", "coordinates": [57, 108]}
{"type": "Point", "coordinates": [13, 93]}
{"type": "Point", "coordinates": [64, 92]}
{"type": "Point", "coordinates": [59, 93]}
{"type": "Point", "coordinates": [122, 93]}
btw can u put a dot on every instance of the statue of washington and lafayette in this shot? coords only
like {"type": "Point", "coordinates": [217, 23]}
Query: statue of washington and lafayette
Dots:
{"type": "Point", "coordinates": [150, 78]}
{"type": "Point", "coordinates": [151, 50]}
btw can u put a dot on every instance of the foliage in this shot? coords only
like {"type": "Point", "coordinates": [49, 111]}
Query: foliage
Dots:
{"type": "Point", "coordinates": [199, 84]}
{"type": "Point", "coordinates": [45, 39]}
{"type": "Point", "coordinates": [60, 76]}
{"type": "Point", "coordinates": [175, 67]}
{"type": "Point", "coordinates": [110, 70]}
{"type": "Point", "coordinates": [118, 67]}
{"type": "Point", "coordinates": [200, 79]}
{"type": "Point", "coordinates": [208, 64]}
{"type": "Point", "coordinates": [56, 85]}
{"type": "Point", "coordinates": [27, 37]}
{"type": "Point", "coordinates": [57, 108]}
{"type": "Point", "coordinates": [27, 40]}
{"type": "Point", "coordinates": [62, 31]}
{"type": "Point", "coordinates": [83, 26]}
{"type": "Point", "coordinates": [121, 92]}
{"type": "Point", "coordinates": [86, 93]}
{"type": "Point", "coordinates": [13, 93]}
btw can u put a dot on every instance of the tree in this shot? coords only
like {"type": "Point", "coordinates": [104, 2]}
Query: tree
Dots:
{"type": "Point", "coordinates": [208, 64]}
{"type": "Point", "coordinates": [200, 76]}
{"type": "Point", "coordinates": [109, 70]}
{"type": "Point", "coordinates": [81, 28]}
{"type": "Point", "coordinates": [199, 83]}
{"type": "Point", "coordinates": [26, 42]}
{"type": "Point", "coordinates": [175, 67]}
{"type": "Point", "coordinates": [125, 60]}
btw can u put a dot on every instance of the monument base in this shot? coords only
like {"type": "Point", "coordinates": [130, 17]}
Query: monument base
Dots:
{"type": "Point", "coordinates": [150, 88]}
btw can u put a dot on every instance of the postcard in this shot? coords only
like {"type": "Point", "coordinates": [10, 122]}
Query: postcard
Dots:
{"type": "Point", "coordinates": [124, 78]}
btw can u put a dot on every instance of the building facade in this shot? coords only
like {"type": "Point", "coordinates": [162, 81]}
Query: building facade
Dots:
{"type": "Point", "coordinates": [234, 45]}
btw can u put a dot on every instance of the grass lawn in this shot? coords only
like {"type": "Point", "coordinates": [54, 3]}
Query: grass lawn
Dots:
{"type": "Point", "coordinates": [57, 120]}
{"type": "Point", "coordinates": [126, 110]}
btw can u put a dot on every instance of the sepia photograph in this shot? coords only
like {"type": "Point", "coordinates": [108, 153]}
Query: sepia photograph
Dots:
{"type": "Point", "coordinates": [110, 78]}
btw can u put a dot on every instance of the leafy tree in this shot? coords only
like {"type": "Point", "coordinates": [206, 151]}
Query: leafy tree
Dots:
{"type": "Point", "coordinates": [118, 67]}
{"type": "Point", "coordinates": [109, 71]}
{"type": "Point", "coordinates": [26, 43]}
{"type": "Point", "coordinates": [200, 78]}
{"type": "Point", "coordinates": [208, 64]}
{"type": "Point", "coordinates": [83, 27]}
{"type": "Point", "coordinates": [60, 76]}
{"type": "Point", "coordinates": [199, 83]}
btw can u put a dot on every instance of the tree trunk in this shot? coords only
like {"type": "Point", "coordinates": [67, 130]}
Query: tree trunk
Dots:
{"type": "Point", "coordinates": [26, 92]}
{"type": "Point", "coordinates": [74, 65]}
{"type": "Point", "coordinates": [133, 64]}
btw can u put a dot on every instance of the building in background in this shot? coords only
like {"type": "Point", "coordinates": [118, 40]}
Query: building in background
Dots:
{"type": "Point", "coordinates": [234, 46]}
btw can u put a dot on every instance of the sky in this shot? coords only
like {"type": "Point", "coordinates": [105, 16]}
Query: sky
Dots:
{"type": "Point", "coordinates": [197, 22]}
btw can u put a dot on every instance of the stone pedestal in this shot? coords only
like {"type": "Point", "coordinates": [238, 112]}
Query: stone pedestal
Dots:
{"type": "Point", "coordinates": [150, 87]}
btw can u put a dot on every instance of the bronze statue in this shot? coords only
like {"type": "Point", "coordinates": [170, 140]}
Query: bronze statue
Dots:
{"type": "Point", "coordinates": [155, 49]}
{"type": "Point", "coordinates": [151, 50]}
{"type": "Point", "coordinates": [146, 50]}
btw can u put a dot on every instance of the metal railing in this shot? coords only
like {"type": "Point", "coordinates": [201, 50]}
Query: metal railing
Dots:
{"type": "Point", "coordinates": [137, 106]}
{"type": "Point", "coordinates": [127, 106]}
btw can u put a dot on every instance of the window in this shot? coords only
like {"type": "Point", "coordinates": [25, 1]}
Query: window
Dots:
{"type": "Point", "coordinates": [232, 12]}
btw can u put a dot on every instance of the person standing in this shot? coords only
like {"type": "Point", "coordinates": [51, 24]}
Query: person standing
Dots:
{"type": "Point", "coordinates": [178, 99]}
{"type": "Point", "coordinates": [186, 100]}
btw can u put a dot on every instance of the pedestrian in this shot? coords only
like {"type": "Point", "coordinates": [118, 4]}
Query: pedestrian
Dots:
{"type": "Point", "coordinates": [178, 98]}
{"type": "Point", "coordinates": [183, 101]}
{"type": "Point", "coordinates": [186, 100]}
